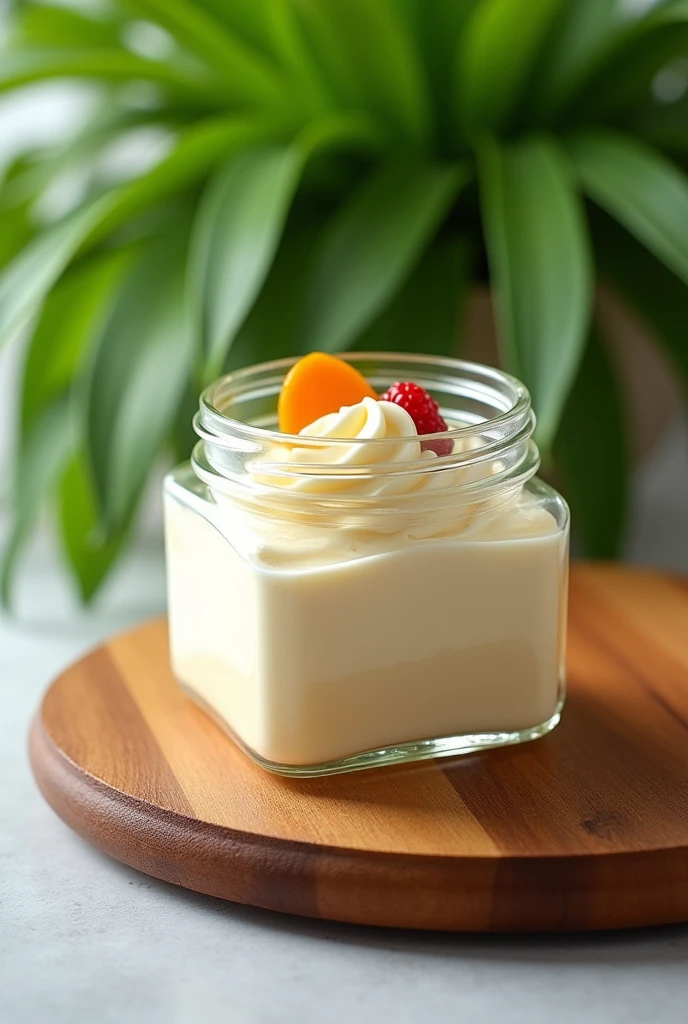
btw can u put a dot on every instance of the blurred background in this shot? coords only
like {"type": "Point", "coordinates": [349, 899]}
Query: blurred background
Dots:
{"type": "Point", "coordinates": [187, 186]}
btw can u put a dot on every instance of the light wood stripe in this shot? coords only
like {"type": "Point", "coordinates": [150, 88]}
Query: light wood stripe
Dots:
{"type": "Point", "coordinates": [654, 609]}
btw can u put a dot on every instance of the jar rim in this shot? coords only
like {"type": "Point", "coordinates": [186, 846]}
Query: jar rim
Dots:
{"type": "Point", "coordinates": [212, 423]}
{"type": "Point", "coordinates": [274, 473]}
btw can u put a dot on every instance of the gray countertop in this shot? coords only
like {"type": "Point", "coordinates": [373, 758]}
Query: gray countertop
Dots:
{"type": "Point", "coordinates": [83, 938]}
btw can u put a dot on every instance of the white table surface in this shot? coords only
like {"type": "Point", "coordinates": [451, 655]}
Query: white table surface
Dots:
{"type": "Point", "coordinates": [84, 939]}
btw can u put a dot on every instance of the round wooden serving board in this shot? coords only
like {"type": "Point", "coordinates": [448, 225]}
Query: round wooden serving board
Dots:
{"type": "Point", "coordinates": [586, 828]}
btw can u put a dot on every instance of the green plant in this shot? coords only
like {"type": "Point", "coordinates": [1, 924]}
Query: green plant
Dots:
{"type": "Point", "coordinates": [335, 174]}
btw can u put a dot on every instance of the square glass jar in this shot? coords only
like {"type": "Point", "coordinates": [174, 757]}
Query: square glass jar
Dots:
{"type": "Point", "coordinates": [337, 604]}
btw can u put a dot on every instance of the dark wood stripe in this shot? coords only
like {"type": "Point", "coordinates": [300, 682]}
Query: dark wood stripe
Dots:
{"type": "Point", "coordinates": [680, 583]}
{"type": "Point", "coordinates": [95, 689]}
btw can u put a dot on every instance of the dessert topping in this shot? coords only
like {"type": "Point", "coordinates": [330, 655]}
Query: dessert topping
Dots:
{"type": "Point", "coordinates": [424, 411]}
{"type": "Point", "coordinates": [317, 385]}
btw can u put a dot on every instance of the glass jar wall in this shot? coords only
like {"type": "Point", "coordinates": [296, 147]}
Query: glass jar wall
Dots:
{"type": "Point", "coordinates": [340, 603]}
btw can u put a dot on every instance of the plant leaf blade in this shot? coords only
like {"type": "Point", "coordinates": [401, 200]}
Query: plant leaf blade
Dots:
{"type": "Point", "coordinates": [44, 455]}
{"type": "Point", "coordinates": [250, 77]}
{"type": "Point", "coordinates": [539, 266]}
{"type": "Point", "coordinates": [625, 68]}
{"type": "Point", "coordinates": [584, 31]}
{"type": "Point", "coordinates": [426, 314]}
{"type": "Point", "coordinates": [197, 151]}
{"type": "Point", "coordinates": [498, 50]}
{"type": "Point", "coordinates": [272, 328]}
{"type": "Point", "coordinates": [104, 64]}
{"type": "Point", "coordinates": [138, 376]}
{"type": "Point", "coordinates": [344, 38]}
{"type": "Point", "coordinates": [89, 553]}
{"type": "Point", "coordinates": [591, 453]}
{"type": "Point", "coordinates": [655, 294]}
{"type": "Point", "coordinates": [372, 244]}
{"type": "Point", "coordinates": [70, 319]}
{"type": "Point", "coordinates": [25, 281]}
{"type": "Point", "coordinates": [237, 233]}
{"type": "Point", "coordinates": [641, 189]}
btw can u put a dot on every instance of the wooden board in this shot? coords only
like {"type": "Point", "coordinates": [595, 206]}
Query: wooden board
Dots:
{"type": "Point", "coordinates": [586, 828]}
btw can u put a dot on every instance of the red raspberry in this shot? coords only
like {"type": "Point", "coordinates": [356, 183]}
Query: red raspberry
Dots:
{"type": "Point", "coordinates": [423, 410]}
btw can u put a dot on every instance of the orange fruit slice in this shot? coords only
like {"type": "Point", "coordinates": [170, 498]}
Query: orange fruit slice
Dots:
{"type": "Point", "coordinates": [316, 385]}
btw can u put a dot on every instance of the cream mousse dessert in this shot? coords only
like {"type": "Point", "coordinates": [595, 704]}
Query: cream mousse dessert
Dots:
{"type": "Point", "coordinates": [381, 584]}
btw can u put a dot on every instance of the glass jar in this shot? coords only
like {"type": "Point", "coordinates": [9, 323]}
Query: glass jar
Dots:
{"type": "Point", "coordinates": [340, 604]}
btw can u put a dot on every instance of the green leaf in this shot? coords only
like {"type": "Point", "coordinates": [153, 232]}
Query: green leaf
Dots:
{"type": "Point", "coordinates": [624, 70]}
{"type": "Point", "coordinates": [248, 19]}
{"type": "Point", "coordinates": [287, 43]}
{"type": "Point", "coordinates": [184, 437]}
{"type": "Point", "coordinates": [237, 231]}
{"type": "Point", "coordinates": [17, 230]}
{"type": "Point", "coordinates": [27, 66]}
{"type": "Point", "coordinates": [498, 50]}
{"type": "Point", "coordinates": [437, 27]}
{"type": "Point", "coordinates": [656, 295]}
{"type": "Point", "coordinates": [239, 225]}
{"type": "Point", "coordinates": [25, 282]}
{"type": "Point", "coordinates": [663, 125]}
{"type": "Point", "coordinates": [639, 188]}
{"type": "Point", "coordinates": [273, 327]}
{"type": "Point", "coordinates": [138, 376]}
{"type": "Point", "coordinates": [198, 149]}
{"type": "Point", "coordinates": [365, 53]}
{"type": "Point", "coordinates": [372, 244]}
{"type": "Point", "coordinates": [591, 453]}
{"type": "Point", "coordinates": [78, 153]}
{"type": "Point", "coordinates": [583, 32]}
{"type": "Point", "coordinates": [326, 53]}
{"type": "Point", "coordinates": [271, 27]}
{"type": "Point", "coordinates": [426, 314]}
{"type": "Point", "coordinates": [250, 77]}
{"type": "Point", "coordinates": [539, 267]}
{"type": "Point", "coordinates": [43, 457]}
{"type": "Point", "coordinates": [89, 553]}
{"type": "Point", "coordinates": [45, 25]}
{"type": "Point", "coordinates": [17, 226]}
{"type": "Point", "coordinates": [70, 319]}
{"type": "Point", "coordinates": [352, 132]}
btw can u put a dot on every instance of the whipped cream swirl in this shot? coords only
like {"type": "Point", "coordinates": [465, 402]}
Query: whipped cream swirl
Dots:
{"type": "Point", "coordinates": [368, 420]}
